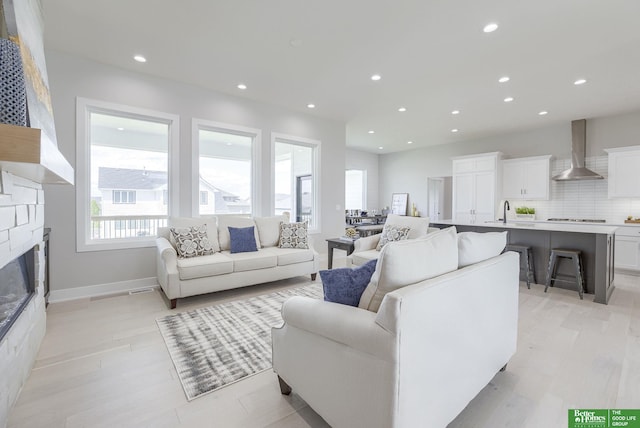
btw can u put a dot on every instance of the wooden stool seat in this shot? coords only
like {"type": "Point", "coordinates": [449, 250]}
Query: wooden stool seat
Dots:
{"type": "Point", "coordinates": [575, 256]}
{"type": "Point", "coordinates": [526, 259]}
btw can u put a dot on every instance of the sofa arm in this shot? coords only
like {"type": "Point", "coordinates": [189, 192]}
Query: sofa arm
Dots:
{"type": "Point", "coordinates": [353, 327]}
{"type": "Point", "coordinates": [167, 253]}
{"type": "Point", "coordinates": [366, 243]}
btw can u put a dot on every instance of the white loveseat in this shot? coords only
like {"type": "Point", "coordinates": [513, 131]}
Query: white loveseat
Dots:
{"type": "Point", "coordinates": [183, 277]}
{"type": "Point", "coordinates": [416, 362]}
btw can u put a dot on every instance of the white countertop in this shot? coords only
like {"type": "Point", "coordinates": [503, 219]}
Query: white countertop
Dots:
{"type": "Point", "coordinates": [596, 228]}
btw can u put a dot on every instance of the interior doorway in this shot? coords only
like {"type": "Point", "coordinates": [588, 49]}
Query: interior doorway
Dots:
{"type": "Point", "coordinates": [439, 194]}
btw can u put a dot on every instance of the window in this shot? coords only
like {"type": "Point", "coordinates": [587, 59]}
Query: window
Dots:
{"type": "Point", "coordinates": [296, 178]}
{"type": "Point", "coordinates": [124, 186]}
{"type": "Point", "coordinates": [204, 197]}
{"type": "Point", "coordinates": [124, 196]}
{"type": "Point", "coordinates": [226, 170]}
{"type": "Point", "coordinates": [355, 189]}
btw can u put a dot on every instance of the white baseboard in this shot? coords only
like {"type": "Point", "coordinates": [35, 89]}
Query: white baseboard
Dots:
{"type": "Point", "coordinates": [101, 289]}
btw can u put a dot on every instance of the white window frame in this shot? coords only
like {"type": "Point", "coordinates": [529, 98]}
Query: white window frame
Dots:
{"type": "Point", "coordinates": [204, 196]}
{"type": "Point", "coordinates": [315, 145]}
{"type": "Point", "coordinates": [256, 155]}
{"type": "Point", "coordinates": [84, 108]}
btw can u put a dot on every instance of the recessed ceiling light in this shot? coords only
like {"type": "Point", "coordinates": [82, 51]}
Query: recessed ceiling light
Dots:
{"type": "Point", "coordinates": [241, 86]}
{"type": "Point", "coordinates": [376, 77]}
{"type": "Point", "coordinates": [508, 99]}
{"type": "Point", "coordinates": [543, 112]}
{"type": "Point", "coordinates": [372, 132]}
{"type": "Point", "coordinates": [402, 109]}
{"type": "Point", "coordinates": [409, 142]}
{"type": "Point", "coordinates": [503, 79]}
{"type": "Point", "coordinates": [490, 28]}
{"type": "Point", "coordinates": [580, 82]}
{"type": "Point", "coordinates": [380, 148]}
{"type": "Point", "coordinates": [311, 106]}
{"type": "Point", "coordinates": [455, 112]}
{"type": "Point", "coordinates": [228, 144]}
{"type": "Point", "coordinates": [140, 58]}
{"type": "Point", "coordinates": [454, 130]}
{"type": "Point", "coordinates": [120, 129]}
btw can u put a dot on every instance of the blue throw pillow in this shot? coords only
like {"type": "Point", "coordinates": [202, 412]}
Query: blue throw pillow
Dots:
{"type": "Point", "coordinates": [346, 285]}
{"type": "Point", "coordinates": [243, 239]}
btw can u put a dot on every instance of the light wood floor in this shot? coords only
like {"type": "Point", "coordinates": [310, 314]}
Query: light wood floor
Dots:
{"type": "Point", "coordinates": [103, 363]}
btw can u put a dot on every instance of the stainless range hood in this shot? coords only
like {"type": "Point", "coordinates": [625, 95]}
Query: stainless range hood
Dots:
{"type": "Point", "coordinates": [578, 153]}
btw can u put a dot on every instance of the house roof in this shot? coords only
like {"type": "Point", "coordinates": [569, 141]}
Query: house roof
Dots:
{"type": "Point", "coordinates": [142, 179]}
{"type": "Point", "coordinates": [131, 179]}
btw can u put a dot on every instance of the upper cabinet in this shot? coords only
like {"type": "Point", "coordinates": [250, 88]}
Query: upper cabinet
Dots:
{"type": "Point", "coordinates": [475, 184]}
{"type": "Point", "coordinates": [526, 178]}
{"type": "Point", "coordinates": [624, 172]}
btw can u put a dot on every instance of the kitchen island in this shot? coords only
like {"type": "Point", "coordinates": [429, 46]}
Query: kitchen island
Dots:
{"type": "Point", "coordinates": [594, 240]}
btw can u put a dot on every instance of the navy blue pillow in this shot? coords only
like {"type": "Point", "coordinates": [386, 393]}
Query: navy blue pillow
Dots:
{"type": "Point", "coordinates": [243, 239]}
{"type": "Point", "coordinates": [346, 285]}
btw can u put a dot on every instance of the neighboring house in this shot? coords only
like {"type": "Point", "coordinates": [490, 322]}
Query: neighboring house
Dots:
{"type": "Point", "coordinates": [132, 192]}
{"type": "Point", "coordinates": [141, 192]}
{"type": "Point", "coordinates": [213, 200]}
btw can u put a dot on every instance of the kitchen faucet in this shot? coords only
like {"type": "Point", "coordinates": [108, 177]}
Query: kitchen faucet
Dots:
{"type": "Point", "coordinates": [505, 208]}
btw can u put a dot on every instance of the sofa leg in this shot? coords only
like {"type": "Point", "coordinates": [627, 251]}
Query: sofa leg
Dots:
{"type": "Point", "coordinates": [503, 368]}
{"type": "Point", "coordinates": [285, 389]}
{"type": "Point", "coordinates": [313, 276]}
{"type": "Point", "coordinates": [173, 303]}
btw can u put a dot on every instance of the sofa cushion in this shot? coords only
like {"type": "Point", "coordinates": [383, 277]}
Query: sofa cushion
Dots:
{"type": "Point", "coordinates": [224, 221]}
{"type": "Point", "coordinates": [391, 233]}
{"type": "Point", "coordinates": [474, 247]}
{"type": "Point", "coordinates": [242, 239]}
{"type": "Point", "coordinates": [269, 229]}
{"type": "Point", "coordinates": [345, 285]}
{"type": "Point", "coordinates": [212, 230]}
{"type": "Point", "coordinates": [418, 225]}
{"type": "Point", "coordinates": [191, 241]}
{"type": "Point", "coordinates": [262, 259]}
{"type": "Point", "coordinates": [293, 235]}
{"type": "Point", "coordinates": [408, 262]}
{"type": "Point", "coordinates": [362, 257]}
{"type": "Point", "coordinates": [201, 267]}
{"type": "Point", "coordinates": [290, 256]}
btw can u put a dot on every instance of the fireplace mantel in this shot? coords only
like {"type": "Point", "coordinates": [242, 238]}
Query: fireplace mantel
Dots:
{"type": "Point", "coordinates": [28, 153]}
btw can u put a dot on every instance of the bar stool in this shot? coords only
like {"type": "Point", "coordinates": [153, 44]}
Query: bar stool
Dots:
{"type": "Point", "coordinates": [526, 259]}
{"type": "Point", "coordinates": [576, 258]}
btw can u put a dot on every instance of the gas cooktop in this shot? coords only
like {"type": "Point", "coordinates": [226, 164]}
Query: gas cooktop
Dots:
{"type": "Point", "coordinates": [580, 220]}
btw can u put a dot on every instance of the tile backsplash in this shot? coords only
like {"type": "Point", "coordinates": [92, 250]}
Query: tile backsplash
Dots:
{"type": "Point", "coordinates": [582, 199]}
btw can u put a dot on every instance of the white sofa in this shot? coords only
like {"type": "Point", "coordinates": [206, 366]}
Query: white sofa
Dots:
{"type": "Point", "coordinates": [183, 277]}
{"type": "Point", "coordinates": [364, 249]}
{"type": "Point", "coordinates": [416, 362]}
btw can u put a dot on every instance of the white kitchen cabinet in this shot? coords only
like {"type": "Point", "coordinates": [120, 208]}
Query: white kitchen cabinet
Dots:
{"type": "Point", "coordinates": [627, 255]}
{"type": "Point", "coordinates": [475, 180]}
{"type": "Point", "coordinates": [624, 172]}
{"type": "Point", "coordinates": [526, 178]}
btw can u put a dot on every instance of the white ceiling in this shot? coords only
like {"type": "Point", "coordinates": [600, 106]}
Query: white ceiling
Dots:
{"type": "Point", "coordinates": [432, 55]}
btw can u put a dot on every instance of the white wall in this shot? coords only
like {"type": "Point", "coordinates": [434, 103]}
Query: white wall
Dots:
{"type": "Point", "coordinates": [407, 172]}
{"type": "Point", "coordinates": [356, 159]}
{"type": "Point", "coordinates": [71, 77]}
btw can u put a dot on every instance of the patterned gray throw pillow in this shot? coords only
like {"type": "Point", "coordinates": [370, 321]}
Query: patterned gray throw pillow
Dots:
{"type": "Point", "coordinates": [293, 235]}
{"type": "Point", "coordinates": [392, 233]}
{"type": "Point", "coordinates": [192, 241]}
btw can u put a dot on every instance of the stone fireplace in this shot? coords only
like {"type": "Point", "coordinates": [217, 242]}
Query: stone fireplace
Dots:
{"type": "Point", "coordinates": [22, 262]}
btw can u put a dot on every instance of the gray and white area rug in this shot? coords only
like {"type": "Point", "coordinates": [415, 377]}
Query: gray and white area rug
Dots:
{"type": "Point", "coordinates": [222, 344]}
